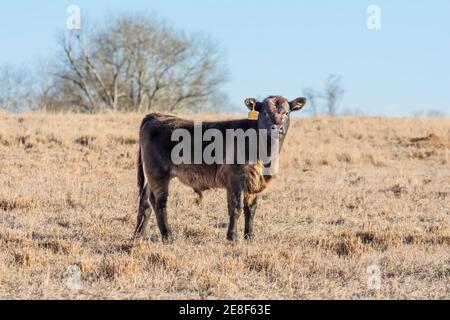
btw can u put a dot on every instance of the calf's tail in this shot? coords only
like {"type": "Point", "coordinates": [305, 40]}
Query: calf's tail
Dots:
{"type": "Point", "coordinates": [140, 172]}
{"type": "Point", "coordinates": [140, 166]}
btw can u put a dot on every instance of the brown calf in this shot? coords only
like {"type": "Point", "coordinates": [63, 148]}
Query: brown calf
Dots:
{"type": "Point", "coordinates": [243, 182]}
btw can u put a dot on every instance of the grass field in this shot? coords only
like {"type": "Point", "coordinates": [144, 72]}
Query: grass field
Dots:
{"type": "Point", "coordinates": [354, 193]}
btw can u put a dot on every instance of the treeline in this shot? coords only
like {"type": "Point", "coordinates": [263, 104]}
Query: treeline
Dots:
{"type": "Point", "coordinates": [131, 63]}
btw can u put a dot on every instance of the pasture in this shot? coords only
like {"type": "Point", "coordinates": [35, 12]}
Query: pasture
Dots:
{"type": "Point", "coordinates": [354, 194]}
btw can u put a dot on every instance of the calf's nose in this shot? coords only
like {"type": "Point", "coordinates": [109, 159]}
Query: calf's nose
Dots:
{"type": "Point", "coordinates": [275, 127]}
{"type": "Point", "coordinates": [278, 129]}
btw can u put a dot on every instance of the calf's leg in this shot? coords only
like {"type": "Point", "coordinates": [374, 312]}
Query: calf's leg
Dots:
{"type": "Point", "coordinates": [235, 197]}
{"type": "Point", "coordinates": [250, 205]}
{"type": "Point", "coordinates": [144, 212]}
{"type": "Point", "coordinates": [161, 194]}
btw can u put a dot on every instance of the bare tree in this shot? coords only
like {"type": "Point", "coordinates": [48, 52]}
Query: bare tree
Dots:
{"type": "Point", "coordinates": [333, 94]}
{"type": "Point", "coordinates": [16, 89]}
{"type": "Point", "coordinates": [433, 113]}
{"type": "Point", "coordinates": [328, 100]}
{"type": "Point", "coordinates": [313, 97]}
{"type": "Point", "coordinates": [135, 63]}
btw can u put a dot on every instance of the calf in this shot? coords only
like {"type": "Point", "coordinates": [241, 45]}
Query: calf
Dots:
{"type": "Point", "coordinates": [244, 181]}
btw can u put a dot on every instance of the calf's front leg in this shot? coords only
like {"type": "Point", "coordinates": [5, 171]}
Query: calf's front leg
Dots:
{"type": "Point", "coordinates": [250, 205]}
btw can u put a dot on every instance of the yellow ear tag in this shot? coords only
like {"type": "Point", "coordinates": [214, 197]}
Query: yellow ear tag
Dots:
{"type": "Point", "coordinates": [253, 115]}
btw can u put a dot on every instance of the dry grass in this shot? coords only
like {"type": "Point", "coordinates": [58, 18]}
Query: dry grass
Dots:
{"type": "Point", "coordinates": [353, 192]}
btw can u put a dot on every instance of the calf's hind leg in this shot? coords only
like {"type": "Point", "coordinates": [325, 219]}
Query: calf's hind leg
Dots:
{"type": "Point", "coordinates": [144, 211]}
{"type": "Point", "coordinates": [161, 194]}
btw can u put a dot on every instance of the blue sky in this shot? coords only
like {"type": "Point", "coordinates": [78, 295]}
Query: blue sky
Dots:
{"type": "Point", "coordinates": [280, 47]}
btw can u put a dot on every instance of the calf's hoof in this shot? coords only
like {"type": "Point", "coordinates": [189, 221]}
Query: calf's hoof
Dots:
{"type": "Point", "coordinates": [232, 237]}
{"type": "Point", "coordinates": [167, 238]}
{"type": "Point", "coordinates": [249, 236]}
{"type": "Point", "coordinates": [138, 234]}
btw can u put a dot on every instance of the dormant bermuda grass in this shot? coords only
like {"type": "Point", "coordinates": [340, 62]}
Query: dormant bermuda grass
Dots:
{"type": "Point", "coordinates": [361, 210]}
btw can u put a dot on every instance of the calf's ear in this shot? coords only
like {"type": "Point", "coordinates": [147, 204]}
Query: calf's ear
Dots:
{"type": "Point", "coordinates": [297, 104]}
{"type": "Point", "coordinates": [253, 104]}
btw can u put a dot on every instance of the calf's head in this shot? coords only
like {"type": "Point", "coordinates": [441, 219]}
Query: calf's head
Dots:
{"type": "Point", "coordinates": [275, 112]}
